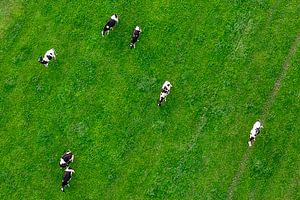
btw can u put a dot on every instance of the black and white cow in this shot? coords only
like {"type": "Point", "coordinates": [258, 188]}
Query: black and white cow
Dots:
{"type": "Point", "coordinates": [47, 57]}
{"type": "Point", "coordinates": [254, 132]}
{"type": "Point", "coordinates": [165, 90]}
{"type": "Point", "coordinates": [67, 177]}
{"type": "Point", "coordinates": [114, 19]}
{"type": "Point", "coordinates": [66, 159]}
{"type": "Point", "coordinates": [135, 36]}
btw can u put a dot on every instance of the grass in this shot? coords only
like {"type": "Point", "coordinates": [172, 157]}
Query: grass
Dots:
{"type": "Point", "coordinates": [99, 100]}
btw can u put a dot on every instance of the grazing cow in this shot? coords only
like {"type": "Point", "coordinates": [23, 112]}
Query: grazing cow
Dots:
{"type": "Point", "coordinates": [66, 159]}
{"type": "Point", "coordinates": [135, 36]}
{"type": "Point", "coordinates": [254, 132]}
{"type": "Point", "coordinates": [67, 177]}
{"type": "Point", "coordinates": [165, 90]}
{"type": "Point", "coordinates": [47, 57]}
{"type": "Point", "coordinates": [114, 19]}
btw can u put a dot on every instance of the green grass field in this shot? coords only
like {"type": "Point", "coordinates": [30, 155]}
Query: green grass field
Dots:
{"type": "Point", "coordinates": [99, 97]}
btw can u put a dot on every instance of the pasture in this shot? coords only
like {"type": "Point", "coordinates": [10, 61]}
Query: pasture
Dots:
{"type": "Point", "coordinates": [230, 63]}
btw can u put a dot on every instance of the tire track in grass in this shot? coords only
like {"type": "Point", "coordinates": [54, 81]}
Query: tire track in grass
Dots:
{"type": "Point", "coordinates": [194, 140]}
{"type": "Point", "coordinates": [281, 76]}
{"type": "Point", "coordinates": [200, 126]}
{"type": "Point", "coordinates": [190, 147]}
{"type": "Point", "coordinates": [265, 113]}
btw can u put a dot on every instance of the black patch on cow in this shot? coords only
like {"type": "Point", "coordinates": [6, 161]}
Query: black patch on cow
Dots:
{"type": "Point", "coordinates": [164, 90]}
{"type": "Point", "coordinates": [135, 36]}
{"type": "Point", "coordinates": [67, 157]}
{"type": "Point", "coordinates": [42, 61]}
{"type": "Point", "coordinates": [66, 179]}
{"type": "Point", "coordinates": [111, 23]}
{"type": "Point", "coordinates": [257, 130]}
{"type": "Point", "coordinates": [63, 165]}
{"type": "Point", "coordinates": [49, 57]}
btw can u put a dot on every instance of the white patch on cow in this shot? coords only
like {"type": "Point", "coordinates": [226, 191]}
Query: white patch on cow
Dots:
{"type": "Point", "coordinates": [62, 161]}
{"type": "Point", "coordinates": [138, 28]}
{"type": "Point", "coordinates": [249, 143]}
{"type": "Point", "coordinates": [69, 170]}
{"type": "Point", "coordinates": [165, 92]}
{"type": "Point", "coordinates": [163, 95]}
{"type": "Point", "coordinates": [49, 53]}
{"type": "Point", "coordinates": [254, 132]}
{"type": "Point", "coordinates": [114, 17]}
{"type": "Point", "coordinates": [167, 85]}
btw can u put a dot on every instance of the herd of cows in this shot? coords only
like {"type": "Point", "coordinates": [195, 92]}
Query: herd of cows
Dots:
{"type": "Point", "coordinates": [68, 157]}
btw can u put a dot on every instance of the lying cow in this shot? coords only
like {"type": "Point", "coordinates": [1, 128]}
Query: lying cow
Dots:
{"type": "Point", "coordinates": [254, 132]}
{"type": "Point", "coordinates": [47, 57]}
{"type": "Point", "coordinates": [66, 179]}
{"type": "Point", "coordinates": [66, 159]}
{"type": "Point", "coordinates": [165, 90]}
{"type": "Point", "coordinates": [135, 36]}
{"type": "Point", "coordinates": [114, 19]}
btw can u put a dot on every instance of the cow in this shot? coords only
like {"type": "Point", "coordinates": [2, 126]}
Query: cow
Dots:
{"type": "Point", "coordinates": [135, 36]}
{"type": "Point", "coordinates": [66, 159]}
{"type": "Point", "coordinates": [66, 178]}
{"type": "Point", "coordinates": [254, 132]}
{"type": "Point", "coordinates": [47, 57]}
{"type": "Point", "coordinates": [114, 19]}
{"type": "Point", "coordinates": [165, 90]}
